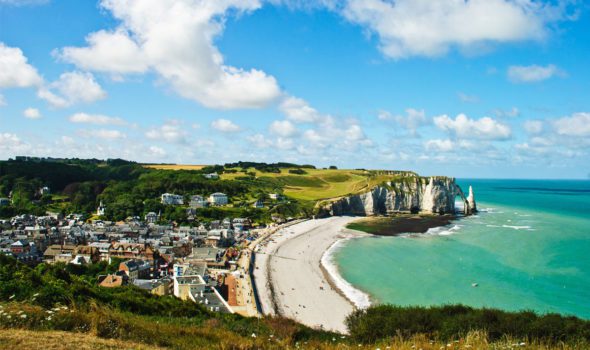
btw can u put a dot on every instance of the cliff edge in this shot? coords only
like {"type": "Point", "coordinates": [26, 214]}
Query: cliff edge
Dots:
{"type": "Point", "coordinates": [411, 194]}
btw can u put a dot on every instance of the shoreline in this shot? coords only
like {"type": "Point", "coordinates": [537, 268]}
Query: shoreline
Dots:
{"type": "Point", "coordinates": [302, 281]}
{"type": "Point", "coordinates": [357, 298]}
{"type": "Point", "coordinates": [297, 285]}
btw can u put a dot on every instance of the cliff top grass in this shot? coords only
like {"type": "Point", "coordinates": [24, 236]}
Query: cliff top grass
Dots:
{"type": "Point", "coordinates": [174, 166]}
{"type": "Point", "coordinates": [324, 184]}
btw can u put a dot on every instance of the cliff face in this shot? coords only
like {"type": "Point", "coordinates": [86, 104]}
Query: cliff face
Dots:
{"type": "Point", "coordinates": [435, 195]}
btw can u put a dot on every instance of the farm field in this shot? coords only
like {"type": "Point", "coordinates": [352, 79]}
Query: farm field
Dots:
{"type": "Point", "coordinates": [318, 184]}
{"type": "Point", "coordinates": [174, 166]}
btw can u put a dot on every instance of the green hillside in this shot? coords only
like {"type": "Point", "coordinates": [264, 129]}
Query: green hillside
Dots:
{"type": "Point", "coordinates": [59, 298]}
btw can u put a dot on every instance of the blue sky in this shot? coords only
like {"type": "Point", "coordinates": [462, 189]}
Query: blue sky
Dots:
{"type": "Point", "coordinates": [495, 88]}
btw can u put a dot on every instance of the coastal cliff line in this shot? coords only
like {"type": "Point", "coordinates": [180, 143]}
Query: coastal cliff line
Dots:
{"type": "Point", "coordinates": [411, 194]}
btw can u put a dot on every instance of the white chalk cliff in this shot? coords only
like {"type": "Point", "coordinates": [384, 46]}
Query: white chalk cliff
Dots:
{"type": "Point", "coordinates": [433, 195]}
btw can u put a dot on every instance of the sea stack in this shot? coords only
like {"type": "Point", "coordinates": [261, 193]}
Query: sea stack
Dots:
{"type": "Point", "coordinates": [471, 201]}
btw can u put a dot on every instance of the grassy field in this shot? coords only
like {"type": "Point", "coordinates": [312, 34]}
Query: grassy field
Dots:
{"type": "Point", "coordinates": [174, 166]}
{"type": "Point", "coordinates": [54, 340]}
{"type": "Point", "coordinates": [319, 184]}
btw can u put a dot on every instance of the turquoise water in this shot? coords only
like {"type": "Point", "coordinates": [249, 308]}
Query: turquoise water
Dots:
{"type": "Point", "coordinates": [529, 248]}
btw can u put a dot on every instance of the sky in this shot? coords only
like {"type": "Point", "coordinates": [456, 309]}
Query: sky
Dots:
{"type": "Point", "coordinates": [464, 88]}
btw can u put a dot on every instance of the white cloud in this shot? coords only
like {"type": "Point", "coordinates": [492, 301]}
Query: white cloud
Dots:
{"type": "Point", "coordinates": [157, 151]}
{"type": "Point", "coordinates": [512, 113]}
{"type": "Point", "coordinates": [578, 124]}
{"type": "Point", "coordinates": [15, 71]}
{"type": "Point", "coordinates": [106, 134]}
{"type": "Point", "coordinates": [225, 125]}
{"type": "Point", "coordinates": [72, 88]}
{"type": "Point", "coordinates": [430, 28]}
{"type": "Point", "coordinates": [11, 145]}
{"type": "Point", "coordinates": [316, 139]}
{"type": "Point", "coordinates": [298, 110]}
{"type": "Point", "coordinates": [97, 119]}
{"type": "Point", "coordinates": [533, 73]}
{"type": "Point", "coordinates": [413, 119]}
{"type": "Point", "coordinates": [2, 101]}
{"type": "Point", "coordinates": [176, 40]}
{"type": "Point", "coordinates": [285, 143]}
{"type": "Point", "coordinates": [463, 127]}
{"type": "Point", "coordinates": [32, 113]}
{"type": "Point", "coordinates": [439, 145]}
{"type": "Point", "coordinates": [283, 128]}
{"type": "Point", "coordinates": [23, 2]}
{"type": "Point", "coordinates": [467, 98]}
{"type": "Point", "coordinates": [67, 140]}
{"type": "Point", "coordinates": [259, 141]}
{"type": "Point", "coordinates": [172, 132]}
{"type": "Point", "coordinates": [533, 126]}
{"type": "Point", "coordinates": [110, 52]}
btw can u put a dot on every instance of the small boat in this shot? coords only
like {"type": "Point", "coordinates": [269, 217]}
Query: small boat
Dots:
{"type": "Point", "coordinates": [474, 284]}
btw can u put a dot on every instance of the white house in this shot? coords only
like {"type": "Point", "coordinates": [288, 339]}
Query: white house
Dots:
{"type": "Point", "coordinates": [212, 176]}
{"type": "Point", "coordinates": [172, 199]}
{"type": "Point", "coordinates": [101, 209]}
{"type": "Point", "coordinates": [198, 202]}
{"type": "Point", "coordinates": [218, 198]}
{"type": "Point", "coordinates": [151, 217]}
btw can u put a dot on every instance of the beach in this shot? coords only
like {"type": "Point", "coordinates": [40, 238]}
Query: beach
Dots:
{"type": "Point", "coordinates": [293, 282]}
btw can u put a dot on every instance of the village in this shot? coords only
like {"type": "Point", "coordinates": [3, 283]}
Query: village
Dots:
{"type": "Point", "coordinates": [208, 263]}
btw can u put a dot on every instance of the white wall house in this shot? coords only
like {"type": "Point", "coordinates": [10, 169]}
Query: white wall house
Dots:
{"type": "Point", "coordinates": [212, 176]}
{"type": "Point", "coordinates": [218, 198]}
{"type": "Point", "coordinates": [198, 202]}
{"type": "Point", "coordinates": [101, 209]}
{"type": "Point", "coordinates": [172, 199]}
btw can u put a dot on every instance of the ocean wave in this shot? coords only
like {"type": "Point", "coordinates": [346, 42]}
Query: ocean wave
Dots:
{"type": "Point", "coordinates": [489, 210]}
{"type": "Point", "coordinates": [525, 227]}
{"type": "Point", "coordinates": [357, 297]}
{"type": "Point", "coordinates": [443, 230]}
{"type": "Point", "coordinates": [514, 227]}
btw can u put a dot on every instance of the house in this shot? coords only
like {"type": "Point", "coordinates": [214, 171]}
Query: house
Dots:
{"type": "Point", "coordinates": [19, 247]}
{"type": "Point", "coordinates": [188, 280]}
{"type": "Point", "coordinates": [136, 269]}
{"type": "Point", "coordinates": [103, 249]}
{"type": "Point", "coordinates": [274, 196]}
{"type": "Point", "coordinates": [101, 209]}
{"type": "Point", "coordinates": [57, 253]}
{"type": "Point", "coordinates": [131, 251]}
{"type": "Point", "coordinates": [90, 254]}
{"type": "Point", "coordinates": [198, 202]}
{"type": "Point", "coordinates": [4, 202]}
{"type": "Point", "coordinates": [163, 286]}
{"type": "Point", "coordinates": [212, 176]}
{"type": "Point", "coordinates": [259, 204]}
{"type": "Point", "coordinates": [241, 224]}
{"type": "Point", "coordinates": [218, 198]}
{"type": "Point", "coordinates": [152, 218]}
{"type": "Point", "coordinates": [172, 199]}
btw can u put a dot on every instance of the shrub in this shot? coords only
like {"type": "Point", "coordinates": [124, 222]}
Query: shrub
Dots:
{"type": "Point", "coordinates": [450, 322]}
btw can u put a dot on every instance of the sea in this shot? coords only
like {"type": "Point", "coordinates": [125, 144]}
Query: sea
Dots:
{"type": "Point", "coordinates": [528, 248]}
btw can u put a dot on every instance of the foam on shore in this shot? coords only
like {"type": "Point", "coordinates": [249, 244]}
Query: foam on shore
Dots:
{"type": "Point", "coordinates": [359, 298]}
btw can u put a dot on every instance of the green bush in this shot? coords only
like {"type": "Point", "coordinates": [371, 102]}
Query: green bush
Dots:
{"type": "Point", "coordinates": [451, 322]}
